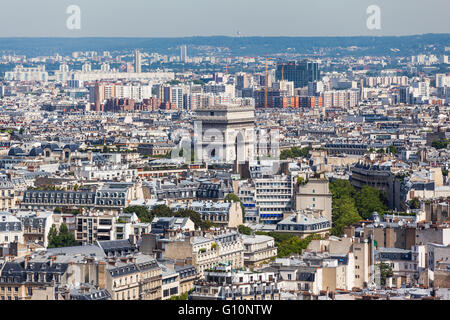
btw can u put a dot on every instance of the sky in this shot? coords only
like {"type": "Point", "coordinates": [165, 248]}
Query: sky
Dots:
{"type": "Point", "coordinates": [184, 18]}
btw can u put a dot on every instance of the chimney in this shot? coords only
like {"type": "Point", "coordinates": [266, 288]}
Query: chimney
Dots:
{"type": "Point", "coordinates": [102, 274]}
{"type": "Point", "coordinates": [180, 263]}
{"type": "Point", "coordinates": [124, 259]}
{"type": "Point", "coordinates": [27, 260]}
{"type": "Point", "coordinates": [132, 239]}
{"type": "Point", "coordinates": [52, 260]}
{"type": "Point", "coordinates": [298, 216]}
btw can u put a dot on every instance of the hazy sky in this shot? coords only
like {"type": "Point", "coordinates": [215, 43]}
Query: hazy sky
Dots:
{"type": "Point", "coordinates": [172, 18]}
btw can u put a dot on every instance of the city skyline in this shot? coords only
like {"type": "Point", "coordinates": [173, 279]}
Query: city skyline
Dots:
{"type": "Point", "coordinates": [143, 19]}
{"type": "Point", "coordinates": [138, 163]}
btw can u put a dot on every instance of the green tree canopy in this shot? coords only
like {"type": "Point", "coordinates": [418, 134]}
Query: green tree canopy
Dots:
{"type": "Point", "coordinates": [61, 238]}
{"type": "Point", "coordinates": [440, 144]}
{"type": "Point", "coordinates": [141, 211]}
{"type": "Point", "coordinates": [295, 245]}
{"type": "Point", "coordinates": [368, 200]}
{"type": "Point", "coordinates": [344, 214]}
{"type": "Point", "coordinates": [244, 230]}
{"type": "Point", "coordinates": [342, 188]}
{"type": "Point", "coordinates": [385, 272]}
{"type": "Point", "coordinates": [295, 152]}
{"type": "Point", "coordinates": [145, 215]}
{"type": "Point", "coordinates": [393, 149]}
{"type": "Point", "coordinates": [232, 197]}
{"type": "Point", "coordinates": [289, 244]}
{"type": "Point", "coordinates": [414, 203]}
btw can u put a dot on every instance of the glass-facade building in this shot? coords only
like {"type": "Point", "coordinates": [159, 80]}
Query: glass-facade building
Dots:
{"type": "Point", "coordinates": [299, 72]}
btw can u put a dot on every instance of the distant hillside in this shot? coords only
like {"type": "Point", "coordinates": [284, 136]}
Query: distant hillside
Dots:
{"type": "Point", "coordinates": [242, 46]}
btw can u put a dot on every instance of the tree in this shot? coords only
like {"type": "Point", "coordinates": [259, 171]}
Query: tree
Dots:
{"type": "Point", "coordinates": [440, 144]}
{"type": "Point", "coordinates": [161, 211]}
{"type": "Point", "coordinates": [295, 152]}
{"type": "Point", "coordinates": [344, 214]}
{"type": "Point", "coordinates": [385, 272]}
{"type": "Point", "coordinates": [294, 245]}
{"type": "Point", "coordinates": [174, 82]}
{"type": "Point", "coordinates": [244, 230]}
{"type": "Point", "coordinates": [145, 215]}
{"type": "Point", "coordinates": [232, 197]}
{"type": "Point", "coordinates": [342, 188]}
{"type": "Point", "coordinates": [414, 203]}
{"type": "Point", "coordinates": [301, 181]}
{"type": "Point", "coordinates": [183, 296]}
{"type": "Point", "coordinates": [369, 200]}
{"type": "Point", "coordinates": [61, 238]}
{"type": "Point", "coordinates": [195, 217]}
{"type": "Point", "coordinates": [344, 208]}
{"type": "Point", "coordinates": [393, 149]}
{"type": "Point", "coordinates": [53, 241]}
{"type": "Point", "coordinates": [141, 211]}
{"type": "Point", "coordinates": [198, 81]}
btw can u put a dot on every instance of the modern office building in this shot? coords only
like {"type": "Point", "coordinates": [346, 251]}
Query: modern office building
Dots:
{"type": "Point", "coordinates": [183, 53]}
{"type": "Point", "coordinates": [299, 72]}
{"type": "Point", "coordinates": [137, 62]}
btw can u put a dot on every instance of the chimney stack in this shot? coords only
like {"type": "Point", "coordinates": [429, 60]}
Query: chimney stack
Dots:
{"type": "Point", "coordinates": [27, 260]}
{"type": "Point", "coordinates": [52, 260]}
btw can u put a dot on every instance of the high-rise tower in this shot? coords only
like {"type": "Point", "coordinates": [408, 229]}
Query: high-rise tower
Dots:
{"type": "Point", "coordinates": [183, 53]}
{"type": "Point", "coordinates": [137, 62]}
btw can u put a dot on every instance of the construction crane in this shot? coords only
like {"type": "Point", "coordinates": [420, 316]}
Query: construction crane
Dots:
{"type": "Point", "coordinates": [266, 88]}
{"type": "Point", "coordinates": [226, 64]}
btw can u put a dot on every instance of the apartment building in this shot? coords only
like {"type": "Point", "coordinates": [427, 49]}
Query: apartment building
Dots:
{"type": "Point", "coordinates": [273, 197]}
{"type": "Point", "coordinates": [36, 226]}
{"type": "Point", "coordinates": [258, 249]}
{"type": "Point", "coordinates": [11, 229]}
{"type": "Point", "coordinates": [223, 214]}
{"type": "Point", "coordinates": [221, 283]}
{"type": "Point", "coordinates": [8, 199]}
{"type": "Point", "coordinates": [170, 281]}
{"type": "Point", "coordinates": [95, 226]}
{"type": "Point", "coordinates": [205, 252]}
{"type": "Point", "coordinates": [305, 222]}
{"type": "Point", "coordinates": [315, 194]}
